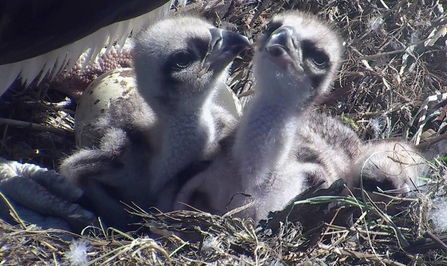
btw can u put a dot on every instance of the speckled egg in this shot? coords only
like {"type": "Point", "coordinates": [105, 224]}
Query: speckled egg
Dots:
{"type": "Point", "coordinates": [120, 82]}
{"type": "Point", "coordinates": [96, 99]}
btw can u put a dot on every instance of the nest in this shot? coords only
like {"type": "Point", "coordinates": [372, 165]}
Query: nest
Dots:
{"type": "Point", "coordinates": [395, 57]}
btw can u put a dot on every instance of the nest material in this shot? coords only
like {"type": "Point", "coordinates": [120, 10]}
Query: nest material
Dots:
{"type": "Point", "coordinates": [373, 239]}
{"type": "Point", "coordinates": [395, 58]}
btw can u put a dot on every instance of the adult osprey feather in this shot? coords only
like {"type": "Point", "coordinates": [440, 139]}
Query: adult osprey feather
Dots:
{"type": "Point", "coordinates": [40, 37]}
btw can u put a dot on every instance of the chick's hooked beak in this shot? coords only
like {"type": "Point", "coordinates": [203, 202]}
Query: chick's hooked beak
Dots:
{"type": "Point", "coordinates": [284, 47]}
{"type": "Point", "coordinates": [223, 48]}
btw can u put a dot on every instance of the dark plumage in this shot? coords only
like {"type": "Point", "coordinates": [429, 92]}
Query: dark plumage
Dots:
{"type": "Point", "coordinates": [45, 36]}
{"type": "Point", "coordinates": [31, 28]}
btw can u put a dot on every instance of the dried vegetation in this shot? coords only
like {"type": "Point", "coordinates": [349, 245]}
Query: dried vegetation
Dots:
{"type": "Point", "coordinates": [395, 58]}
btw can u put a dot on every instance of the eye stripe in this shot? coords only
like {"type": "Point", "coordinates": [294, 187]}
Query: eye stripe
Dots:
{"type": "Point", "coordinates": [192, 51]}
{"type": "Point", "coordinates": [319, 57]}
{"type": "Point", "coordinates": [199, 46]}
{"type": "Point", "coordinates": [180, 60]}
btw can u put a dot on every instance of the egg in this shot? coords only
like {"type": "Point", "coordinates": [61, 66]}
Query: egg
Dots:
{"type": "Point", "coordinates": [96, 100]}
{"type": "Point", "coordinates": [116, 83]}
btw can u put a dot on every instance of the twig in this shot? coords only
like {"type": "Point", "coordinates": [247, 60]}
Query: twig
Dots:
{"type": "Point", "coordinates": [34, 126]}
{"type": "Point", "coordinates": [431, 141]}
{"type": "Point", "coordinates": [440, 243]}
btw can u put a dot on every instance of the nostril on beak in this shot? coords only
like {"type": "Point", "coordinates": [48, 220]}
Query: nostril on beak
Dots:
{"type": "Point", "coordinates": [276, 50]}
{"type": "Point", "coordinates": [217, 44]}
{"type": "Point", "coordinates": [281, 41]}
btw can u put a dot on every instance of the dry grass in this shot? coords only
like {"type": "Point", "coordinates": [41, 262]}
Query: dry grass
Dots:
{"type": "Point", "coordinates": [395, 57]}
{"type": "Point", "coordinates": [374, 238]}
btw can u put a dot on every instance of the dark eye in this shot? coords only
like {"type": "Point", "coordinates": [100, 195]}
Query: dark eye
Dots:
{"type": "Point", "coordinates": [319, 58]}
{"type": "Point", "coordinates": [181, 60]}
